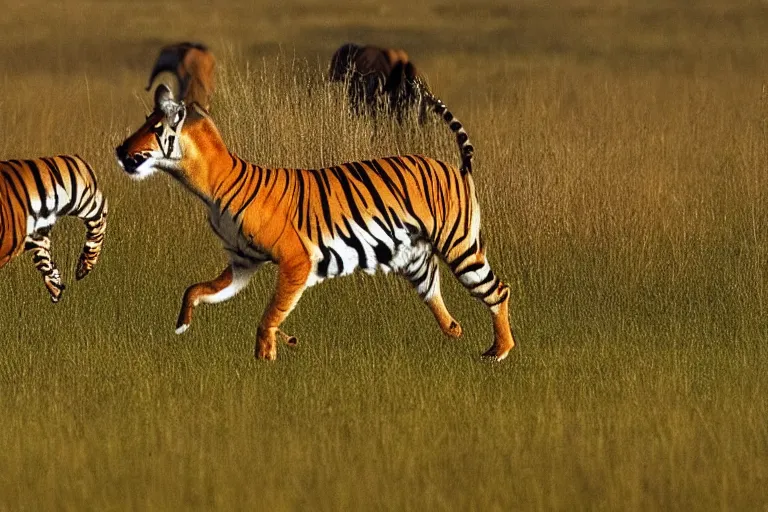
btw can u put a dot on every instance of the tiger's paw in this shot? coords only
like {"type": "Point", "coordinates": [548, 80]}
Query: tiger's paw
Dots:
{"type": "Point", "coordinates": [266, 344]}
{"type": "Point", "coordinates": [265, 352]}
{"type": "Point", "coordinates": [55, 289]}
{"type": "Point", "coordinates": [184, 319]}
{"type": "Point", "coordinates": [497, 352]}
{"type": "Point", "coordinates": [453, 330]}
{"type": "Point", "coordinates": [83, 269]}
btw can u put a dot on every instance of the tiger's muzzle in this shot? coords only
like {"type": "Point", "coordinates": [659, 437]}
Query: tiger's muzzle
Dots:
{"type": "Point", "coordinates": [130, 163]}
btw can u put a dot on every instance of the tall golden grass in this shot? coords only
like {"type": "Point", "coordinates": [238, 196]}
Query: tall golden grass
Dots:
{"type": "Point", "coordinates": [621, 156]}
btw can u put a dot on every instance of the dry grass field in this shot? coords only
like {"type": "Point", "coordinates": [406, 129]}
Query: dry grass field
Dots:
{"type": "Point", "coordinates": [621, 168]}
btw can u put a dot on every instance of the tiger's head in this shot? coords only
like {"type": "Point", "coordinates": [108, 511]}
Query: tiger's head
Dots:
{"type": "Point", "coordinates": [158, 143]}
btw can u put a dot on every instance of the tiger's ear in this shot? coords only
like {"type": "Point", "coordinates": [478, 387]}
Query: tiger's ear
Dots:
{"type": "Point", "coordinates": [174, 111]}
{"type": "Point", "coordinates": [163, 96]}
{"type": "Point", "coordinates": [164, 101]}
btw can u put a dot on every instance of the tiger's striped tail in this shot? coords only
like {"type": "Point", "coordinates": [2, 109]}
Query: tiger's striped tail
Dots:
{"type": "Point", "coordinates": [466, 150]}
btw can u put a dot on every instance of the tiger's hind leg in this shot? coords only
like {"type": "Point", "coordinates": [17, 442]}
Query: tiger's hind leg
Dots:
{"type": "Point", "coordinates": [224, 287]}
{"type": "Point", "coordinates": [94, 239]}
{"type": "Point", "coordinates": [424, 274]}
{"type": "Point", "coordinates": [291, 282]}
{"type": "Point", "coordinates": [39, 244]}
{"type": "Point", "coordinates": [473, 271]}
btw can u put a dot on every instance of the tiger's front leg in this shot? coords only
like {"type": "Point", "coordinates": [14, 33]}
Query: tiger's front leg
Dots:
{"type": "Point", "coordinates": [291, 283]}
{"type": "Point", "coordinates": [39, 244]}
{"type": "Point", "coordinates": [227, 285]}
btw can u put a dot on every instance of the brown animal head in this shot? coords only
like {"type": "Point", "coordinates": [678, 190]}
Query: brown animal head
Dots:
{"type": "Point", "coordinates": [193, 66]}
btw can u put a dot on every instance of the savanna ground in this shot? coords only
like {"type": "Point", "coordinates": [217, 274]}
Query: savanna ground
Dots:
{"type": "Point", "coordinates": [621, 169]}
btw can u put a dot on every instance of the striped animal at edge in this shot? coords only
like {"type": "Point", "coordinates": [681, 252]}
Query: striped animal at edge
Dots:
{"type": "Point", "coordinates": [34, 194]}
{"type": "Point", "coordinates": [401, 214]}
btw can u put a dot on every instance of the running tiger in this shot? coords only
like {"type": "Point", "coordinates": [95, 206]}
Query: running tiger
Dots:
{"type": "Point", "coordinates": [401, 214]}
{"type": "Point", "coordinates": [378, 75]}
{"type": "Point", "coordinates": [33, 195]}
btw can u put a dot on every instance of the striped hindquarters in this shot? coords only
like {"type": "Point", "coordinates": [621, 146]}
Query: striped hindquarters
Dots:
{"type": "Point", "coordinates": [40, 191]}
{"type": "Point", "coordinates": [391, 212]}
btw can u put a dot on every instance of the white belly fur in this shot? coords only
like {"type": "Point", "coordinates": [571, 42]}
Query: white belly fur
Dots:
{"type": "Point", "coordinates": [229, 232]}
{"type": "Point", "coordinates": [406, 252]}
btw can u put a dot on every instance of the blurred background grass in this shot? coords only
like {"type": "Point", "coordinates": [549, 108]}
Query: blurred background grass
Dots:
{"type": "Point", "coordinates": [621, 156]}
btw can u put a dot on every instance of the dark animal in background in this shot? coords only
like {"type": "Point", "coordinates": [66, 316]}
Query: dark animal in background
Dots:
{"type": "Point", "coordinates": [193, 66]}
{"type": "Point", "coordinates": [385, 77]}
{"type": "Point", "coordinates": [378, 77]}
{"type": "Point", "coordinates": [33, 195]}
